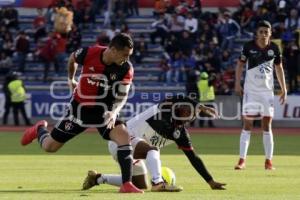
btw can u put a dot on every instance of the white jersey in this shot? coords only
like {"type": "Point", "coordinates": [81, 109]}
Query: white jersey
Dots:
{"type": "Point", "coordinates": [260, 66]}
{"type": "Point", "coordinates": [138, 127]}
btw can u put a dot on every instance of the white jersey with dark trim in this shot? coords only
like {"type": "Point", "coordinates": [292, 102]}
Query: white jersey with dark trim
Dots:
{"type": "Point", "coordinates": [259, 66]}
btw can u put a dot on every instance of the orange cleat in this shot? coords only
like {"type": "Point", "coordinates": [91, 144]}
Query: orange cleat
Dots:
{"type": "Point", "coordinates": [269, 165]}
{"type": "Point", "coordinates": [31, 133]}
{"type": "Point", "coordinates": [241, 165]}
{"type": "Point", "coordinates": [128, 187]}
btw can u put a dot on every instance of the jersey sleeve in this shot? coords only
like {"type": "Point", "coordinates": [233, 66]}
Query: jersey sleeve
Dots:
{"type": "Point", "coordinates": [80, 55]}
{"type": "Point", "coordinates": [244, 54]}
{"type": "Point", "coordinates": [129, 76]}
{"type": "Point", "coordinates": [182, 139]}
{"type": "Point", "coordinates": [278, 56]}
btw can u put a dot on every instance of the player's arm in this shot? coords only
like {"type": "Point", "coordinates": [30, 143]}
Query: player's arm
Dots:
{"type": "Point", "coordinates": [75, 58]}
{"type": "Point", "coordinates": [239, 70]}
{"type": "Point", "coordinates": [199, 166]}
{"type": "Point", "coordinates": [121, 97]}
{"type": "Point", "coordinates": [280, 76]}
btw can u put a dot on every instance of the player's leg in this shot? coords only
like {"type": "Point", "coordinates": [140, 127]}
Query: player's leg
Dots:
{"type": "Point", "coordinates": [120, 135]}
{"type": "Point", "coordinates": [268, 142]}
{"type": "Point", "coordinates": [267, 100]}
{"type": "Point", "coordinates": [249, 111]}
{"type": "Point", "coordinates": [151, 154]}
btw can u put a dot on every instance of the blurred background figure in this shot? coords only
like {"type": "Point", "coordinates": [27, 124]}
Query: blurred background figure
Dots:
{"type": "Point", "coordinates": [207, 95]}
{"type": "Point", "coordinates": [17, 94]}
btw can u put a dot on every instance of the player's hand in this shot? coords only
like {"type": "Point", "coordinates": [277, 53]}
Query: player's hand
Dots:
{"type": "Point", "coordinates": [238, 89]}
{"type": "Point", "coordinates": [211, 112]}
{"type": "Point", "coordinates": [282, 97]}
{"type": "Point", "coordinates": [72, 84]}
{"type": "Point", "coordinates": [217, 186]}
{"type": "Point", "coordinates": [110, 119]}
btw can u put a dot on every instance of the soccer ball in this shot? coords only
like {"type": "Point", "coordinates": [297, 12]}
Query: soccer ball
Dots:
{"type": "Point", "coordinates": [168, 175]}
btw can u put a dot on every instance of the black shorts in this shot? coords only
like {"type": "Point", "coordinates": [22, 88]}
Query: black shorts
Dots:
{"type": "Point", "coordinates": [78, 119]}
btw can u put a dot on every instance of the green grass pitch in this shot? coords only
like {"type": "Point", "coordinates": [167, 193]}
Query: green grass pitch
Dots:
{"type": "Point", "coordinates": [27, 173]}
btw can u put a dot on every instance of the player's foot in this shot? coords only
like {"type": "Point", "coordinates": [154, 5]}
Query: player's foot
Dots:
{"type": "Point", "coordinates": [241, 164]}
{"type": "Point", "coordinates": [128, 187]}
{"type": "Point", "coordinates": [31, 133]}
{"type": "Point", "coordinates": [90, 180]}
{"type": "Point", "coordinates": [269, 165]}
{"type": "Point", "coordinates": [164, 187]}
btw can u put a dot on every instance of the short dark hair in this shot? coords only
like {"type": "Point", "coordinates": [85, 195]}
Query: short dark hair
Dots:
{"type": "Point", "coordinates": [263, 23]}
{"type": "Point", "coordinates": [121, 40]}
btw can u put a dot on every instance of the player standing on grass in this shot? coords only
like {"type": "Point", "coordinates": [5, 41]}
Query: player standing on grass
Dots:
{"type": "Point", "coordinates": [102, 91]}
{"type": "Point", "coordinates": [156, 127]}
{"type": "Point", "coordinates": [258, 97]}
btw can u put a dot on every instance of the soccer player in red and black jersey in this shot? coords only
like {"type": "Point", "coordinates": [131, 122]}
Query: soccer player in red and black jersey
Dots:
{"type": "Point", "coordinates": [98, 97]}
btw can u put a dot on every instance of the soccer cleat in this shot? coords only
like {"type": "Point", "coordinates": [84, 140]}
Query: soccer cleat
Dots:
{"type": "Point", "coordinates": [90, 180]}
{"type": "Point", "coordinates": [164, 187]}
{"type": "Point", "coordinates": [241, 165]}
{"type": "Point", "coordinates": [128, 187]}
{"type": "Point", "coordinates": [31, 133]}
{"type": "Point", "coordinates": [269, 165]}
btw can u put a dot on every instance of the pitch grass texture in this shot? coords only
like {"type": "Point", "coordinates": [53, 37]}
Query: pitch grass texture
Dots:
{"type": "Point", "coordinates": [27, 173]}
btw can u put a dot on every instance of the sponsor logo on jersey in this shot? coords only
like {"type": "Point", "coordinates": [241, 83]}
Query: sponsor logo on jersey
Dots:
{"type": "Point", "coordinates": [92, 68]}
{"type": "Point", "coordinates": [176, 134]}
{"type": "Point", "coordinates": [252, 51]}
{"type": "Point", "coordinates": [68, 126]}
{"type": "Point", "coordinates": [270, 53]}
{"type": "Point", "coordinates": [113, 76]}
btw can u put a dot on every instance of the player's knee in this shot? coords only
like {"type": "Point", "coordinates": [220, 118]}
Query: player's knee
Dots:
{"type": "Point", "coordinates": [120, 135]}
{"type": "Point", "coordinates": [49, 148]}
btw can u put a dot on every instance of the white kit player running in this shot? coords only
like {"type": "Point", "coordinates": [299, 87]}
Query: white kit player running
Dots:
{"type": "Point", "coordinates": [156, 127]}
{"type": "Point", "coordinates": [259, 55]}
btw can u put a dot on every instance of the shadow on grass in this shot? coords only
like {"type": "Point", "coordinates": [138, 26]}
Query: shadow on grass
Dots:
{"type": "Point", "coordinates": [57, 191]}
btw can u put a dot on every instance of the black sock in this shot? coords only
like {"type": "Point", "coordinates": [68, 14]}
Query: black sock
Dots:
{"type": "Point", "coordinates": [125, 160]}
{"type": "Point", "coordinates": [43, 133]}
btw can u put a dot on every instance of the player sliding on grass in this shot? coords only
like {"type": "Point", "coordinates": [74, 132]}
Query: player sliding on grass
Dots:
{"type": "Point", "coordinates": [260, 56]}
{"type": "Point", "coordinates": [158, 126]}
{"type": "Point", "coordinates": [102, 91]}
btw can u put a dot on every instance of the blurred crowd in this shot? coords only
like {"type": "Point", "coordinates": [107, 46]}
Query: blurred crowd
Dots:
{"type": "Point", "coordinates": [194, 41]}
{"type": "Point", "coordinates": [197, 41]}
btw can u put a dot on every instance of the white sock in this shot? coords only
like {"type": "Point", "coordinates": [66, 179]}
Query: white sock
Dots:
{"type": "Point", "coordinates": [110, 179]}
{"type": "Point", "coordinates": [268, 144]}
{"type": "Point", "coordinates": [154, 165]}
{"type": "Point", "coordinates": [244, 143]}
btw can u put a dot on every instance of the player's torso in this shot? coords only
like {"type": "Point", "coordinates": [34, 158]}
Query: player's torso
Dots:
{"type": "Point", "coordinates": [259, 73]}
{"type": "Point", "coordinates": [97, 80]}
{"type": "Point", "coordinates": [142, 126]}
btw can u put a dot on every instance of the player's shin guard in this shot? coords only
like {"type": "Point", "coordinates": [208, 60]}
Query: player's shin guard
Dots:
{"type": "Point", "coordinates": [154, 165]}
{"type": "Point", "coordinates": [125, 160]}
{"type": "Point", "coordinates": [244, 143]}
{"type": "Point", "coordinates": [42, 133]}
{"type": "Point", "coordinates": [268, 144]}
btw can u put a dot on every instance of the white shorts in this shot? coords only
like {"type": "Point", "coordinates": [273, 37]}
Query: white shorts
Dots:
{"type": "Point", "coordinates": [258, 104]}
{"type": "Point", "coordinates": [138, 167]}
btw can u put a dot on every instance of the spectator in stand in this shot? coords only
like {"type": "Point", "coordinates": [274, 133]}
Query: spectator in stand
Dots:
{"type": "Point", "coordinates": [8, 44]}
{"type": "Point", "coordinates": [292, 23]}
{"type": "Point", "coordinates": [112, 31]}
{"type": "Point", "coordinates": [159, 7]}
{"type": "Point", "coordinates": [133, 7]}
{"type": "Point", "coordinates": [5, 63]}
{"type": "Point", "coordinates": [164, 65]}
{"type": "Point", "coordinates": [161, 27]}
{"type": "Point", "coordinates": [172, 45]}
{"type": "Point", "coordinates": [39, 25]}
{"type": "Point", "coordinates": [47, 53]}
{"type": "Point", "coordinates": [176, 25]}
{"type": "Point", "coordinates": [89, 18]}
{"type": "Point", "coordinates": [176, 66]}
{"type": "Point", "coordinates": [191, 25]}
{"type": "Point", "coordinates": [226, 59]}
{"type": "Point", "coordinates": [103, 39]}
{"type": "Point", "coordinates": [292, 56]}
{"type": "Point", "coordinates": [74, 41]}
{"type": "Point", "coordinates": [10, 17]}
{"type": "Point", "coordinates": [229, 29]}
{"type": "Point", "coordinates": [169, 7]}
{"type": "Point", "coordinates": [246, 19]}
{"type": "Point", "coordinates": [186, 43]}
{"type": "Point", "coordinates": [125, 29]}
{"type": "Point", "coordinates": [22, 48]}
{"type": "Point", "coordinates": [140, 49]}
{"type": "Point", "coordinates": [60, 52]}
